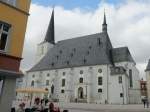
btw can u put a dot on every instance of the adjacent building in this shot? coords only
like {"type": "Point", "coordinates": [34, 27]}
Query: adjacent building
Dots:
{"type": "Point", "coordinates": [13, 21]}
{"type": "Point", "coordinates": [143, 85]}
{"type": "Point", "coordinates": [147, 71]}
{"type": "Point", "coordinates": [85, 69]}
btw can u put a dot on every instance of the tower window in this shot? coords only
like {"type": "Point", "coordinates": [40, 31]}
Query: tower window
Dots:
{"type": "Point", "coordinates": [81, 80]}
{"type": "Point", "coordinates": [4, 33]}
{"type": "Point", "coordinates": [100, 80]}
{"type": "Point", "coordinates": [63, 82]}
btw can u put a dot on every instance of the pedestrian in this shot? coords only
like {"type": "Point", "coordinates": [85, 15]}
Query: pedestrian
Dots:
{"type": "Point", "coordinates": [144, 102]}
{"type": "Point", "coordinates": [21, 108]}
{"type": "Point", "coordinates": [147, 103]}
{"type": "Point", "coordinates": [37, 105]}
{"type": "Point", "coordinates": [51, 107]}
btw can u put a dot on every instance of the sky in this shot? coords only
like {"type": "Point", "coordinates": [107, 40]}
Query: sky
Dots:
{"type": "Point", "coordinates": [128, 25]}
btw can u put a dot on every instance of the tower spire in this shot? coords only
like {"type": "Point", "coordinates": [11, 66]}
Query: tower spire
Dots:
{"type": "Point", "coordinates": [104, 25]}
{"type": "Point", "coordinates": [50, 34]}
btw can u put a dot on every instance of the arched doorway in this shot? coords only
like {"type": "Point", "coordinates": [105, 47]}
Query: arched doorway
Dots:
{"type": "Point", "coordinates": [80, 93]}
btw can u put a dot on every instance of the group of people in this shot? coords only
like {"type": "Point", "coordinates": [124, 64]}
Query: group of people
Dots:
{"type": "Point", "coordinates": [39, 106]}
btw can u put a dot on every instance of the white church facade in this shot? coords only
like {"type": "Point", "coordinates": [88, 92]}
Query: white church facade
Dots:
{"type": "Point", "coordinates": [85, 69]}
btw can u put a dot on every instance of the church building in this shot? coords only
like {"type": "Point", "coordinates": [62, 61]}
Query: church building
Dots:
{"type": "Point", "coordinates": [85, 69]}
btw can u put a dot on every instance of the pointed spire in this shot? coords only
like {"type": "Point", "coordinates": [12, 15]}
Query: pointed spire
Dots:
{"type": "Point", "coordinates": [104, 25]}
{"type": "Point", "coordinates": [50, 35]}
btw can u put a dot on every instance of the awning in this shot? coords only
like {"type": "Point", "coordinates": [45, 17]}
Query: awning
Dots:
{"type": "Point", "coordinates": [31, 90]}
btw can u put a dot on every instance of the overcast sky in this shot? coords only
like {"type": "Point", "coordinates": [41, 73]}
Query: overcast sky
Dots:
{"type": "Point", "coordinates": [128, 25]}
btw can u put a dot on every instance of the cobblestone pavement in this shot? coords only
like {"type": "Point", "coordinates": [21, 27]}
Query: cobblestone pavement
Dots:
{"type": "Point", "coordinates": [82, 107]}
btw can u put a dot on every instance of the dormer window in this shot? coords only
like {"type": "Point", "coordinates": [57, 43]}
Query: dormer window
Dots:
{"type": "Point", "coordinates": [90, 47]}
{"type": "Point", "coordinates": [4, 33]}
{"type": "Point", "coordinates": [52, 64]}
{"type": "Point", "coordinates": [60, 51]}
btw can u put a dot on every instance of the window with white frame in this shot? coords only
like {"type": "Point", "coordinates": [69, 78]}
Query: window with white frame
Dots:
{"type": "Point", "coordinates": [11, 2]}
{"type": "Point", "coordinates": [4, 33]}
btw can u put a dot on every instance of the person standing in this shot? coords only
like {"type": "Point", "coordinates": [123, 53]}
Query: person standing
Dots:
{"type": "Point", "coordinates": [21, 108]}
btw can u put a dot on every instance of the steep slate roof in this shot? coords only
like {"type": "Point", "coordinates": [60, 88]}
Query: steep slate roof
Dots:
{"type": "Point", "coordinates": [148, 66]}
{"type": "Point", "coordinates": [82, 51]}
{"type": "Point", "coordinates": [87, 50]}
{"type": "Point", "coordinates": [121, 54]}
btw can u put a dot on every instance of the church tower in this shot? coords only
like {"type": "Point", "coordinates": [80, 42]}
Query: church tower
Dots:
{"type": "Point", "coordinates": [104, 25]}
{"type": "Point", "coordinates": [48, 42]}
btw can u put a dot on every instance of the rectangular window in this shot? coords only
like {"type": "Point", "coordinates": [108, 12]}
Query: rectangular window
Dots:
{"type": "Point", "coordinates": [100, 90]}
{"type": "Point", "coordinates": [4, 32]}
{"type": "Point", "coordinates": [63, 82]}
{"type": "Point", "coordinates": [130, 78]}
{"type": "Point", "coordinates": [11, 2]}
{"type": "Point", "coordinates": [100, 80]}
{"type": "Point", "coordinates": [120, 79]}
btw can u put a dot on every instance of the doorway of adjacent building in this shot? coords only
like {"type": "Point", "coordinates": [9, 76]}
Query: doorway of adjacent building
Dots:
{"type": "Point", "coordinates": [80, 93]}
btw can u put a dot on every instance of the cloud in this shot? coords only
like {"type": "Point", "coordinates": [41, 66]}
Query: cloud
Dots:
{"type": "Point", "coordinates": [128, 25]}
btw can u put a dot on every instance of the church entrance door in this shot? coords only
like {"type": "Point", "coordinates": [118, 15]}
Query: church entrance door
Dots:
{"type": "Point", "coordinates": [80, 93]}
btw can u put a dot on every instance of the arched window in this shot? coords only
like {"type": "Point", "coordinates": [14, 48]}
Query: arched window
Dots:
{"type": "Point", "coordinates": [32, 83]}
{"type": "Point", "coordinates": [81, 80]}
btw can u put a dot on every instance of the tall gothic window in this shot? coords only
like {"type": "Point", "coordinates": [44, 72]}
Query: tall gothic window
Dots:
{"type": "Point", "coordinates": [4, 33]}
{"type": "Point", "coordinates": [63, 82]}
{"type": "Point", "coordinates": [100, 80]}
{"type": "Point", "coordinates": [130, 78]}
